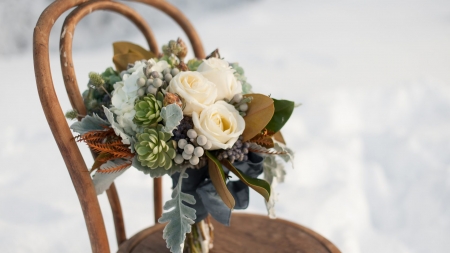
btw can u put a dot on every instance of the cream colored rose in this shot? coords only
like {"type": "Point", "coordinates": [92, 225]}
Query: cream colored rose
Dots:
{"type": "Point", "coordinates": [197, 92]}
{"type": "Point", "coordinates": [220, 123]}
{"type": "Point", "coordinates": [219, 72]}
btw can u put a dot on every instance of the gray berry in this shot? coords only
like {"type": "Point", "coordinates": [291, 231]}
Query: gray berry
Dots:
{"type": "Point", "coordinates": [178, 159]}
{"type": "Point", "coordinates": [201, 140]}
{"type": "Point", "coordinates": [194, 160]}
{"type": "Point", "coordinates": [237, 98]}
{"type": "Point", "coordinates": [191, 133]}
{"type": "Point", "coordinates": [152, 90]}
{"type": "Point", "coordinates": [243, 107]}
{"type": "Point", "coordinates": [166, 71]}
{"type": "Point", "coordinates": [141, 92]}
{"type": "Point", "coordinates": [189, 149]}
{"type": "Point", "coordinates": [182, 143]}
{"type": "Point", "coordinates": [141, 82]}
{"type": "Point", "coordinates": [186, 156]}
{"type": "Point", "coordinates": [167, 77]}
{"type": "Point", "coordinates": [175, 71]}
{"type": "Point", "coordinates": [157, 82]}
{"type": "Point", "coordinates": [198, 151]}
{"type": "Point", "coordinates": [155, 74]}
{"type": "Point", "coordinates": [208, 145]}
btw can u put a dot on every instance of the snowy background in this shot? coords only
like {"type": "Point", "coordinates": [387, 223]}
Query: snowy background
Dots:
{"type": "Point", "coordinates": [372, 138]}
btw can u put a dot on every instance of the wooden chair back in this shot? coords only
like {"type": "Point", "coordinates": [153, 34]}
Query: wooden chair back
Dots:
{"type": "Point", "coordinates": [73, 159]}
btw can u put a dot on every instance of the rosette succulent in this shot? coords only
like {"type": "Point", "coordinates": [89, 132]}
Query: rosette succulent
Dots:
{"type": "Point", "coordinates": [148, 109]}
{"type": "Point", "coordinates": [155, 149]}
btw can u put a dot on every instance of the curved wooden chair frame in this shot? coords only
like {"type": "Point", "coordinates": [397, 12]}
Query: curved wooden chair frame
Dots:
{"type": "Point", "coordinates": [69, 150]}
{"type": "Point", "coordinates": [73, 159]}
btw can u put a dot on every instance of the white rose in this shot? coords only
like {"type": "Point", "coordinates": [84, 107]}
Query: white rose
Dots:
{"type": "Point", "coordinates": [220, 123]}
{"type": "Point", "coordinates": [219, 72]}
{"type": "Point", "coordinates": [195, 89]}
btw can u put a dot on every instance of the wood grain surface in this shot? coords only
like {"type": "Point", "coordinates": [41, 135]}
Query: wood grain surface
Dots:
{"type": "Point", "coordinates": [248, 233]}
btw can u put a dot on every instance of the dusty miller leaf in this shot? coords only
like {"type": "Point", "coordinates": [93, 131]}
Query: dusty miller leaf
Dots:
{"type": "Point", "coordinates": [172, 115]}
{"type": "Point", "coordinates": [102, 181]}
{"type": "Point", "coordinates": [89, 123]}
{"type": "Point", "coordinates": [180, 217]}
{"type": "Point", "coordinates": [273, 173]}
{"type": "Point", "coordinates": [126, 139]}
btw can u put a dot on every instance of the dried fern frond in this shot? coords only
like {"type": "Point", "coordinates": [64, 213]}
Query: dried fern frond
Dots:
{"type": "Point", "coordinates": [109, 146]}
{"type": "Point", "coordinates": [255, 148]}
{"type": "Point", "coordinates": [116, 168]}
{"type": "Point", "coordinates": [264, 138]}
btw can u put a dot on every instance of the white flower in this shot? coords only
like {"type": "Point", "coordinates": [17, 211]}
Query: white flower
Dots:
{"type": "Point", "coordinates": [197, 92]}
{"type": "Point", "coordinates": [125, 94]}
{"type": "Point", "coordinates": [220, 123]}
{"type": "Point", "coordinates": [219, 72]}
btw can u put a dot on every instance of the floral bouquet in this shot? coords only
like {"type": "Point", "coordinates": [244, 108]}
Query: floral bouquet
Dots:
{"type": "Point", "coordinates": [197, 121]}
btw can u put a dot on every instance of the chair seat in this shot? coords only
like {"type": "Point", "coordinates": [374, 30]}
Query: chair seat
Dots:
{"type": "Point", "coordinates": [248, 233]}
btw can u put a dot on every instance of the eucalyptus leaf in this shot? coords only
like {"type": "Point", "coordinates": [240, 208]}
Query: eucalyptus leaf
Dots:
{"type": "Point", "coordinates": [260, 186]}
{"type": "Point", "coordinates": [283, 111]}
{"type": "Point", "coordinates": [172, 115]}
{"type": "Point", "coordinates": [179, 215]}
{"type": "Point", "coordinates": [259, 113]}
{"type": "Point", "coordinates": [89, 123]}
{"type": "Point", "coordinates": [218, 179]}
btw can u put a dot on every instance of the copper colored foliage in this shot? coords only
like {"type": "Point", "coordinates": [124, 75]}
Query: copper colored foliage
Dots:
{"type": "Point", "coordinates": [109, 146]}
{"type": "Point", "coordinates": [264, 139]}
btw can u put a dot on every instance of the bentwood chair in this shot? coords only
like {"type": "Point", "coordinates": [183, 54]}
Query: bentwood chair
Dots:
{"type": "Point", "coordinates": [247, 233]}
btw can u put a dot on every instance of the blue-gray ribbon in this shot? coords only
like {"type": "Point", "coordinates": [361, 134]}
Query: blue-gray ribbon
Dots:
{"type": "Point", "coordinates": [208, 200]}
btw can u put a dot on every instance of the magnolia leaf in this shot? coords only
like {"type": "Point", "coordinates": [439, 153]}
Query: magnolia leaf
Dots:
{"type": "Point", "coordinates": [126, 52]}
{"type": "Point", "coordinates": [102, 181]}
{"type": "Point", "coordinates": [279, 137]}
{"type": "Point", "coordinates": [283, 111]}
{"type": "Point", "coordinates": [218, 179]}
{"type": "Point", "coordinates": [89, 123]}
{"type": "Point", "coordinates": [172, 115]}
{"type": "Point", "coordinates": [156, 172]}
{"type": "Point", "coordinates": [260, 186]}
{"type": "Point", "coordinates": [180, 218]}
{"type": "Point", "coordinates": [258, 115]}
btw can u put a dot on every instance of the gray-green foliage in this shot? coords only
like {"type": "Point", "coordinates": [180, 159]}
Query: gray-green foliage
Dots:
{"type": "Point", "coordinates": [193, 64]}
{"type": "Point", "coordinates": [172, 115]}
{"type": "Point", "coordinates": [240, 76]}
{"type": "Point", "coordinates": [99, 91]}
{"type": "Point", "coordinates": [102, 181]}
{"type": "Point", "coordinates": [89, 123]}
{"type": "Point", "coordinates": [179, 215]}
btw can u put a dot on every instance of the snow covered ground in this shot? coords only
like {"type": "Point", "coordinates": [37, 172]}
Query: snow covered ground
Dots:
{"type": "Point", "coordinates": [372, 138]}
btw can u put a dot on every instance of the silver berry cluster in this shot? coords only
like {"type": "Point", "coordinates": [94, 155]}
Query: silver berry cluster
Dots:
{"type": "Point", "coordinates": [193, 148]}
{"type": "Point", "coordinates": [237, 153]}
{"type": "Point", "coordinates": [154, 80]}
{"type": "Point", "coordinates": [241, 103]}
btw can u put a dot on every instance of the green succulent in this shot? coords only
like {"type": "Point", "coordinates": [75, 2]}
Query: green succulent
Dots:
{"type": "Point", "coordinates": [148, 109]}
{"type": "Point", "coordinates": [155, 149]}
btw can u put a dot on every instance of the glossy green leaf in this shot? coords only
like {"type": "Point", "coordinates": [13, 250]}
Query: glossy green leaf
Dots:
{"type": "Point", "coordinates": [259, 185]}
{"type": "Point", "coordinates": [218, 179]}
{"type": "Point", "coordinates": [283, 111]}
